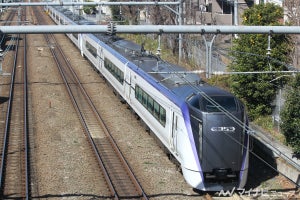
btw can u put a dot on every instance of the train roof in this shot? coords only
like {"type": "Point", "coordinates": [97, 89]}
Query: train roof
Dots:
{"type": "Point", "coordinates": [166, 76]}
{"type": "Point", "coordinates": [176, 78]}
{"type": "Point", "coordinates": [165, 73]}
{"type": "Point", "coordinates": [173, 78]}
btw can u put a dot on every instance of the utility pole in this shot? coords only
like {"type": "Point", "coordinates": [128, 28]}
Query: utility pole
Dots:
{"type": "Point", "coordinates": [1, 60]}
{"type": "Point", "coordinates": [236, 22]}
{"type": "Point", "coordinates": [235, 11]}
{"type": "Point", "coordinates": [180, 10]}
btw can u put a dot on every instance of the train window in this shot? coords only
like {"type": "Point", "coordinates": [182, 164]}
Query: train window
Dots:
{"type": "Point", "coordinates": [136, 89]}
{"type": "Point", "coordinates": [194, 101]}
{"type": "Point", "coordinates": [91, 49]}
{"type": "Point", "coordinates": [114, 70]}
{"type": "Point", "coordinates": [162, 116]}
{"type": "Point", "coordinates": [150, 104]}
{"type": "Point", "coordinates": [138, 94]}
{"type": "Point", "coordinates": [75, 36]}
{"type": "Point", "coordinates": [226, 102]}
{"type": "Point", "coordinates": [156, 110]}
{"type": "Point", "coordinates": [118, 72]}
{"type": "Point", "coordinates": [200, 140]}
{"type": "Point", "coordinates": [111, 68]}
{"type": "Point", "coordinates": [122, 77]}
{"type": "Point", "coordinates": [144, 98]}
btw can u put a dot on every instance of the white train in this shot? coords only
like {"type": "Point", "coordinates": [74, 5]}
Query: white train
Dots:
{"type": "Point", "coordinates": [202, 127]}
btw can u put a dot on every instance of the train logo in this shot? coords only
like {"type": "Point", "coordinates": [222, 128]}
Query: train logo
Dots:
{"type": "Point", "coordinates": [223, 129]}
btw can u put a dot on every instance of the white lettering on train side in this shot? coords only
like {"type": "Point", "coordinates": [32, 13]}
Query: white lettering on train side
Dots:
{"type": "Point", "coordinates": [223, 129]}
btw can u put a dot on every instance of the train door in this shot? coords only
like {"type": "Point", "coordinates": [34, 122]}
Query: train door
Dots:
{"type": "Point", "coordinates": [174, 131]}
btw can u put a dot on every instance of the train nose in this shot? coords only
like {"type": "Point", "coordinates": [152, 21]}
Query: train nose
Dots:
{"type": "Point", "coordinates": [224, 174]}
{"type": "Point", "coordinates": [221, 174]}
{"type": "Point", "coordinates": [221, 145]}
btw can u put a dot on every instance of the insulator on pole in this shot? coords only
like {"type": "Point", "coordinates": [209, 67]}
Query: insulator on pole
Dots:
{"type": "Point", "coordinates": [111, 28]}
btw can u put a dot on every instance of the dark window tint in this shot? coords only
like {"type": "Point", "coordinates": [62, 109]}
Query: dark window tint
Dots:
{"type": "Point", "coordinates": [91, 49]}
{"type": "Point", "coordinates": [114, 70]}
{"type": "Point", "coordinates": [151, 105]}
{"type": "Point", "coordinates": [226, 102]}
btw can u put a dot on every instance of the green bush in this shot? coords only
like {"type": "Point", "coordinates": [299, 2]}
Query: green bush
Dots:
{"type": "Point", "coordinates": [250, 54]}
{"type": "Point", "coordinates": [290, 116]}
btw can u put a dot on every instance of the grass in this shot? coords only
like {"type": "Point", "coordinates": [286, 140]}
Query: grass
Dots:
{"type": "Point", "coordinates": [266, 123]}
{"type": "Point", "coordinates": [148, 163]}
{"type": "Point", "coordinates": [221, 81]}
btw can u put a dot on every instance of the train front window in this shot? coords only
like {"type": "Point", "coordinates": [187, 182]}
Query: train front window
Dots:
{"type": "Point", "coordinates": [219, 102]}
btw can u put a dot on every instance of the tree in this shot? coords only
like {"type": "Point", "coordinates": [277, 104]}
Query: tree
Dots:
{"type": "Point", "coordinates": [89, 9]}
{"type": "Point", "coordinates": [115, 12]}
{"type": "Point", "coordinates": [250, 54]}
{"type": "Point", "coordinates": [292, 12]}
{"type": "Point", "coordinates": [129, 13]}
{"type": "Point", "coordinates": [290, 115]}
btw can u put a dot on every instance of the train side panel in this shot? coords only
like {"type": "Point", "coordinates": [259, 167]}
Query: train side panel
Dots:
{"type": "Point", "coordinates": [173, 134]}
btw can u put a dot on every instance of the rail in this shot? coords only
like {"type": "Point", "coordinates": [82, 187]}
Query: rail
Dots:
{"type": "Point", "coordinates": [15, 157]}
{"type": "Point", "coordinates": [119, 176]}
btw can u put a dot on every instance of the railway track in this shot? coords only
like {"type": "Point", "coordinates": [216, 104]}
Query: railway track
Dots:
{"type": "Point", "coordinates": [14, 169]}
{"type": "Point", "coordinates": [5, 47]}
{"type": "Point", "coordinates": [119, 177]}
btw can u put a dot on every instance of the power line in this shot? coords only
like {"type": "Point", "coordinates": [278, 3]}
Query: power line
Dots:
{"type": "Point", "coordinates": [256, 72]}
{"type": "Point", "coordinates": [224, 72]}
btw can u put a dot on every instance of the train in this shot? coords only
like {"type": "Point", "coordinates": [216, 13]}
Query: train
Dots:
{"type": "Point", "coordinates": [202, 126]}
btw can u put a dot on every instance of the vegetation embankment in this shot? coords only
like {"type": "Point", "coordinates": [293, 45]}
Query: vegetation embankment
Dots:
{"type": "Point", "coordinates": [259, 53]}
